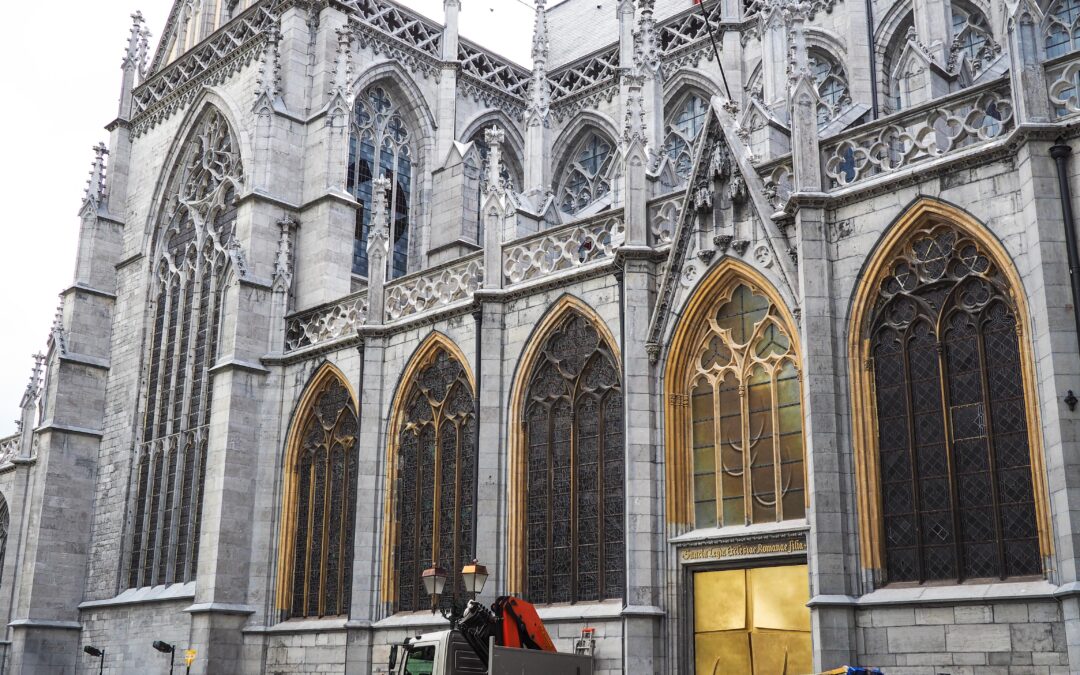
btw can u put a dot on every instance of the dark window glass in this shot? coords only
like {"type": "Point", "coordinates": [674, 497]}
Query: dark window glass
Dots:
{"type": "Point", "coordinates": [168, 473]}
{"type": "Point", "coordinates": [573, 421]}
{"type": "Point", "coordinates": [954, 461]}
{"type": "Point", "coordinates": [436, 480]}
{"type": "Point", "coordinates": [325, 504]}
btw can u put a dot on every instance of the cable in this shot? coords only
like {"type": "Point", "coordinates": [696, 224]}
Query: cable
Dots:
{"type": "Point", "coordinates": [716, 49]}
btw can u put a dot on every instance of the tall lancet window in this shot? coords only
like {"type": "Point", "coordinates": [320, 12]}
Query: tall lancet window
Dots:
{"type": "Point", "coordinates": [197, 227]}
{"type": "Point", "coordinates": [746, 415]}
{"type": "Point", "coordinates": [436, 479]}
{"type": "Point", "coordinates": [320, 502]}
{"type": "Point", "coordinates": [379, 145]}
{"type": "Point", "coordinates": [683, 129]}
{"type": "Point", "coordinates": [573, 430]}
{"type": "Point", "coordinates": [1062, 27]}
{"type": "Point", "coordinates": [587, 177]}
{"type": "Point", "coordinates": [957, 495]}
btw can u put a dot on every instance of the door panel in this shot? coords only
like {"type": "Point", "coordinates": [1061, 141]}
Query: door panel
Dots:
{"type": "Point", "coordinates": [752, 621]}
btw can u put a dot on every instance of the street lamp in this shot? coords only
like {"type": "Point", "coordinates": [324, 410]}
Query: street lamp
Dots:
{"type": "Point", "coordinates": [474, 576]}
{"type": "Point", "coordinates": [434, 579]}
{"type": "Point", "coordinates": [166, 648]}
{"type": "Point", "coordinates": [96, 653]}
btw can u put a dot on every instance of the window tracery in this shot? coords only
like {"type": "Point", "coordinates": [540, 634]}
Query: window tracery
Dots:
{"type": "Point", "coordinates": [832, 85]}
{"type": "Point", "coordinates": [746, 412]}
{"type": "Point", "coordinates": [436, 480]}
{"type": "Point", "coordinates": [199, 220]}
{"type": "Point", "coordinates": [587, 178]}
{"type": "Point", "coordinates": [683, 129]}
{"type": "Point", "coordinates": [324, 504]}
{"type": "Point", "coordinates": [972, 38]}
{"type": "Point", "coordinates": [1062, 27]}
{"type": "Point", "coordinates": [958, 500]}
{"type": "Point", "coordinates": [379, 145]}
{"type": "Point", "coordinates": [573, 428]}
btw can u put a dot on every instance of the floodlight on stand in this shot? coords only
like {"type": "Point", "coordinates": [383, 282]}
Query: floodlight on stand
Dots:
{"type": "Point", "coordinates": [93, 651]}
{"type": "Point", "coordinates": [473, 577]}
{"type": "Point", "coordinates": [434, 579]}
{"type": "Point", "coordinates": [163, 647]}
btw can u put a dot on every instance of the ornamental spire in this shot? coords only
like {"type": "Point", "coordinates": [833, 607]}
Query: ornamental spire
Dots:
{"type": "Point", "coordinates": [268, 85]}
{"type": "Point", "coordinates": [539, 87]}
{"type": "Point", "coordinates": [494, 137]}
{"type": "Point", "coordinates": [343, 64]}
{"type": "Point", "coordinates": [647, 48]}
{"type": "Point", "coordinates": [134, 62]}
{"type": "Point", "coordinates": [95, 186]}
{"type": "Point", "coordinates": [33, 387]}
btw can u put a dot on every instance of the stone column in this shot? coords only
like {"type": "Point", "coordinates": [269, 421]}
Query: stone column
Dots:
{"type": "Point", "coordinates": [644, 615]}
{"type": "Point", "coordinates": [832, 575]}
{"type": "Point", "coordinates": [326, 244]}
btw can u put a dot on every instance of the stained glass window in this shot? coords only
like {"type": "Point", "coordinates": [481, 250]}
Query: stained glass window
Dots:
{"type": "Point", "coordinates": [198, 226]}
{"type": "Point", "coordinates": [952, 430]}
{"type": "Point", "coordinates": [573, 427]}
{"type": "Point", "coordinates": [379, 146]}
{"type": "Point", "coordinates": [325, 512]}
{"type": "Point", "coordinates": [683, 129]}
{"type": "Point", "coordinates": [436, 480]}
{"type": "Point", "coordinates": [587, 176]}
{"type": "Point", "coordinates": [746, 417]}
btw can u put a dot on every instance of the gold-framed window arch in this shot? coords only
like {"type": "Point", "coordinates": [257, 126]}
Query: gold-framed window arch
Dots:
{"type": "Point", "coordinates": [567, 400]}
{"type": "Point", "coordinates": [432, 474]}
{"type": "Point", "coordinates": [733, 406]}
{"type": "Point", "coordinates": [318, 520]}
{"type": "Point", "coordinates": [950, 482]}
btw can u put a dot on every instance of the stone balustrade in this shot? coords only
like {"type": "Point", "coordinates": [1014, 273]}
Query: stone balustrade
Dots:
{"type": "Point", "coordinates": [326, 322]}
{"type": "Point", "coordinates": [961, 120]}
{"type": "Point", "coordinates": [664, 214]}
{"type": "Point", "coordinates": [1063, 85]}
{"type": "Point", "coordinates": [435, 287]}
{"type": "Point", "coordinates": [563, 248]}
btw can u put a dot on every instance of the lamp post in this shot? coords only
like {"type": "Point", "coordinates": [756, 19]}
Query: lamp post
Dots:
{"type": "Point", "coordinates": [166, 648]}
{"type": "Point", "coordinates": [473, 577]}
{"type": "Point", "coordinates": [98, 654]}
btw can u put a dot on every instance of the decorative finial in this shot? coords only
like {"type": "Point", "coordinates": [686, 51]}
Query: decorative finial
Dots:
{"type": "Point", "coordinates": [131, 54]}
{"type": "Point", "coordinates": [494, 137]}
{"type": "Point", "coordinates": [646, 44]}
{"type": "Point", "coordinates": [57, 336]}
{"type": "Point", "coordinates": [343, 63]}
{"type": "Point", "coordinates": [379, 232]}
{"type": "Point", "coordinates": [268, 86]}
{"type": "Point", "coordinates": [33, 387]}
{"type": "Point", "coordinates": [539, 86]}
{"type": "Point", "coordinates": [95, 186]}
{"type": "Point", "coordinates": [283, 263]}
{"type": "Point", "coordinates": [634, 127]}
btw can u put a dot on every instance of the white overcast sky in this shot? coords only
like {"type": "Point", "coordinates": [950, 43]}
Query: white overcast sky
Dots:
{"type": "Point", "coordinates": [62, 74]}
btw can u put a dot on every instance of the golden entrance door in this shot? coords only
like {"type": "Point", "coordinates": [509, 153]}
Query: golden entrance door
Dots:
{"type": "Point", "coordinates": [752, 621]}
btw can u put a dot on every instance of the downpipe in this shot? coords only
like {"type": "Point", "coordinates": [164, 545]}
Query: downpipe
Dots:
{"type": "Point", "coordinates": [1060, 153]}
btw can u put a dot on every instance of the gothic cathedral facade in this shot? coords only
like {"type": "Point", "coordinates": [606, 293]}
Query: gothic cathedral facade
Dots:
{"type": "Point", "coordinates": [754, 369]}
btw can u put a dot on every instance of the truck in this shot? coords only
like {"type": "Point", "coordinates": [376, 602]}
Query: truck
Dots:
{"type": "Point", "coordinates": [509, 638]}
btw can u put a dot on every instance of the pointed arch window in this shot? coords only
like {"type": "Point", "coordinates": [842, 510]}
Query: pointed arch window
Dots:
{"type": "Point", "coordinates": [198, 228]}
{"type": "Point", "coordinates": [380, 145]}
{"type": "Point", "coordinates": [683, 129]}
{"type": "Point", "coordinates": [746, 416]}
{"type": "Point", "coordinates": [890, 60]}
{"type": "Point", "coordinates": [573, 431]}
{"type": "Point", "coordinates": [832, 85]}
{"type": "Point", "coordinates": [953, 454]}
{"type": "Point", "coordinates": [320, 511]}
{"type": "Point", "coordinates": [1062, 27]}
{"type": "Point", "coordinates": [972, 37]}
{"type": "Point", "coordinates": [587, 178]}
{"type": "Point", "coordinates": [436, 479]}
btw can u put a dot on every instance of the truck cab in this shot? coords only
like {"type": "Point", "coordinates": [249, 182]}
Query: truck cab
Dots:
{"type": "Point", "coordinates": [442, 653]}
